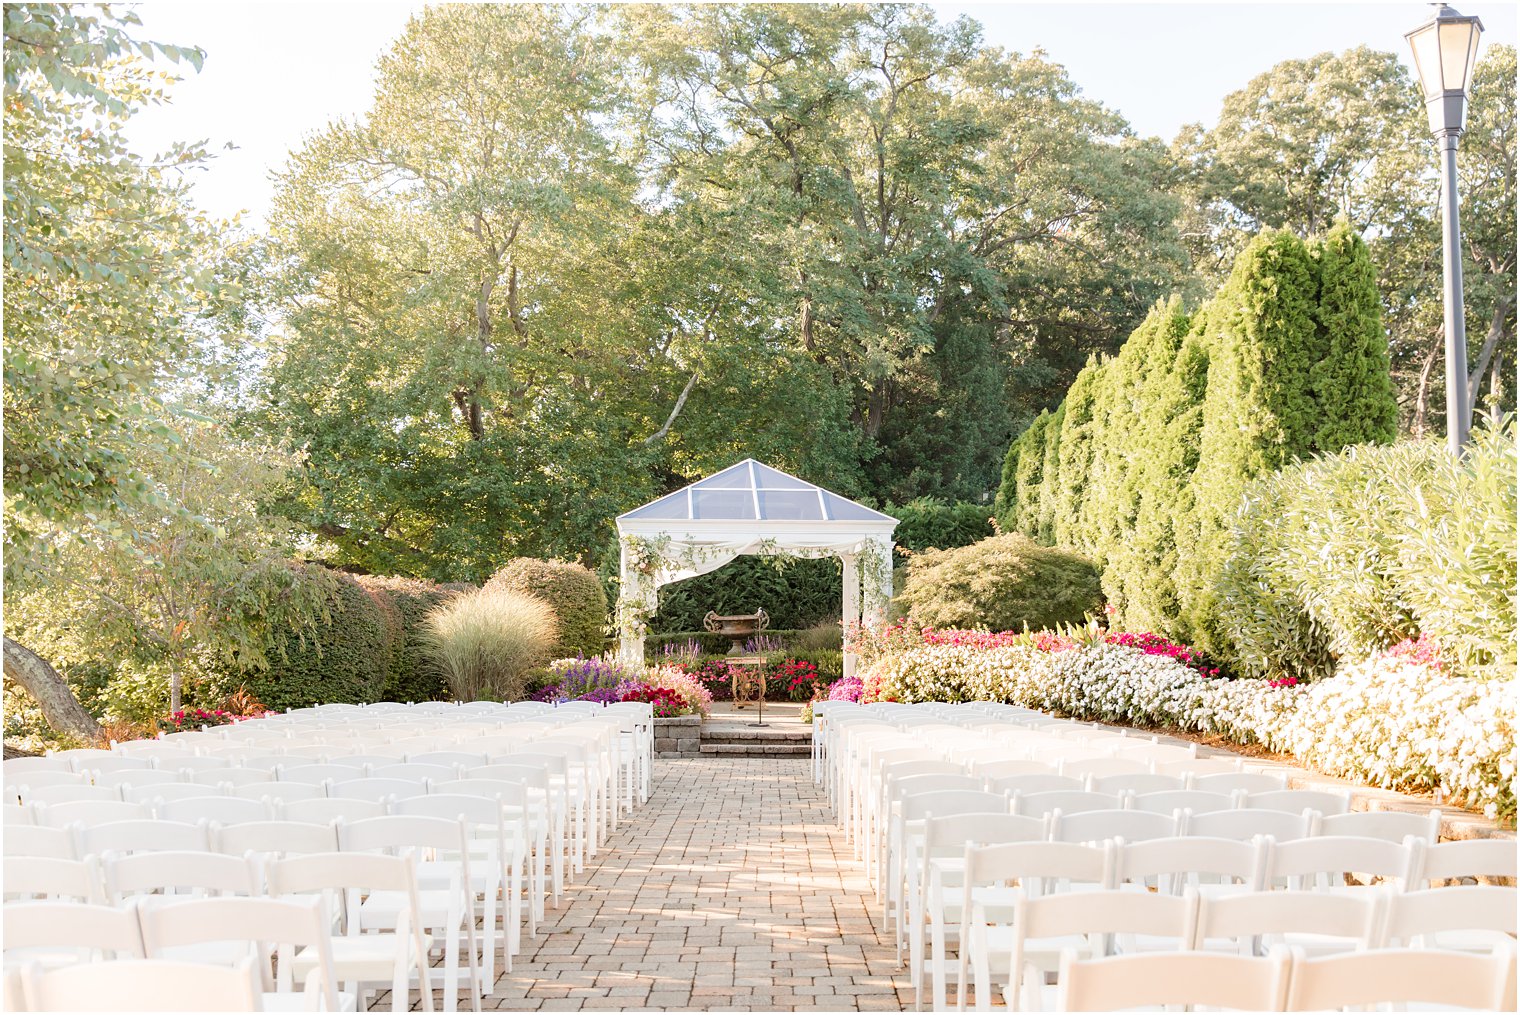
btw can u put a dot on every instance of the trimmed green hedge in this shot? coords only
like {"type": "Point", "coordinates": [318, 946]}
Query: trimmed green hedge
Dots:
{"type": "Point", "coordinates": [413, 674]}
{"type": "Point", "coordinates": [346, 658]}
{"type": "Point", "coordinates": [571, 590]}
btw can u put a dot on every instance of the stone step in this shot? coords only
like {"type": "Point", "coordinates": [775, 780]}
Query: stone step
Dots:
{"type": "Point", "coordinates": [757, 749]}
{"type": "Point", "coordinates": [768, 733]}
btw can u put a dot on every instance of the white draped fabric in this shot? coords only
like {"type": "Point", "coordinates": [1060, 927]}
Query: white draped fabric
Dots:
{"type": "Point", "coordinates": [750, 508]}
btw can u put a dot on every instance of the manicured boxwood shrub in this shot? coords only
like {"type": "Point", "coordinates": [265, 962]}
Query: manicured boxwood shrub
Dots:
{"type": "Point", "coordinates": [571, 590]}
{"type": "Point", "coordinates": [794, 592]}
{"type": "Point", "coordinates": [1005, 583]}
{"type": "Point", "coordinates": [345, 658]}
{"type": "Point", "coordinates": [414, 675]}
{"type": "Point", "coordinates": [927, 523]}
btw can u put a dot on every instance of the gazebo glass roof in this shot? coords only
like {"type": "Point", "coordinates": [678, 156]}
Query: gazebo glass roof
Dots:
{"type": "Point", "coordinates": [751, 491]}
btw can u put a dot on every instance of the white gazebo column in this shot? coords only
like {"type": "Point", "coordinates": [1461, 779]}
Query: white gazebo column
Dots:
{"type": "Point", "coordinates": [631, 604]}
{"type": "Point", "coordinates": [877, 596]}
{"type": "Point", "coordinates": [850, 615]}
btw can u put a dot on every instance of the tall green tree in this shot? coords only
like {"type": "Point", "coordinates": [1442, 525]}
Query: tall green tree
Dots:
{"type": "Point", "coordinates": [113, 290]}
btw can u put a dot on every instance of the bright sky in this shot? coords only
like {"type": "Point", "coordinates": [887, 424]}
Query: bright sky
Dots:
{"type": "Point", "coordinates": [275, 72]}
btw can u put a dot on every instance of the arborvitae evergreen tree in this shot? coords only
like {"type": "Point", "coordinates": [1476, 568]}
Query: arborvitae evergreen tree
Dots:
{"type": "Point", "coordinates": [1050, 478]}
{"type": "Point", "coordinates": [1259, 411]}
{"type": "Point", "coordinates": [1151, 442]}
{"type": "Point", "coordinates": [1004, 505]}
{"type": "Point", "coordinates": [1351, 382]}
{"type": "Point", "coordinates": [1030, 469]}
{"type": "Point", "coordinates": [1075, 454]}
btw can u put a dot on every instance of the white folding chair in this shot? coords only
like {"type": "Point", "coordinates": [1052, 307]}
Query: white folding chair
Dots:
{"type": "Point", "coordinates": [359, 955]}
{"type": "Point", "coordinates": [272, 929]}
{"type": "Point", "coordinates": [237, 777]}
{"type": "Point", "coordinates": [1329, 862]}
{"type": "Point", "coordinates": [1245, 825]}
{"type": "Point", "coordinates": [15, 767]}
{"type": "Point", "coordinates": [1089, 923]}
{"type": "Point", "coordinates": [1237, 782]}
{"type": "Point", "coordinates": [987, 907]}
{"type": "Point", "coordinates": [159, 793]}
{"type": "Point", "coordinates": [321, 773]}
{"type": "Point", "coordinates": [1066, 801]}
{"type": "Point", "coordinates": [1194, 801]}
{"type": "Point", "coordinates": [326, 810]}
{"type": "Point", "coordinates": [142, 985]}
{"type": "Point", "coordinates": [1096, 826]}
{"type": "Point", "coordinates": [90, 812]}
{"type": "Point", "coordinates": [181, 875]}
{"type": "Point", "coordinates": [1179, 978]}
{"type": "Point", "coordinates": [51, 795]}
{"type": "Point", "coordinates": [224, 810]}
{"type": "Point", "coordinates": [143, 835]}
{"type": "Point", "coordinates": [446, 892]}
{"type": "Point", "coordinates": [1324, 802]}
{"type": "Point", "coordinates": [1137, 785]}
{"type": "Point", "coordinates": [274, 794]}
{"type": "Point", "coordinates": [379, 790]}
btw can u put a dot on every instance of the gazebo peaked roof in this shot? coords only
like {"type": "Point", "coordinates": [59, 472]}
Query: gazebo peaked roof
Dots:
{"type": "Point", "coordinates": [752, 491]}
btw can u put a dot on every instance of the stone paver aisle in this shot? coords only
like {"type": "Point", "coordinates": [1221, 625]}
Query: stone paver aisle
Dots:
{"type": "Point", "coordinates": [732, 889]}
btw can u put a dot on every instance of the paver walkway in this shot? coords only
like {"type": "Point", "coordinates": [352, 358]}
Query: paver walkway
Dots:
{"type": "Point", "coordinates": [732, 889]}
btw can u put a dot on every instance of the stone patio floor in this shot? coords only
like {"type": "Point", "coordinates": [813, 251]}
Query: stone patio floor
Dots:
{"type": "Point", "coordinates": [730, 890]}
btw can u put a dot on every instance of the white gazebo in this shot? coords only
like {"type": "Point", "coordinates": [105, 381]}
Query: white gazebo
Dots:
{"type": "Point", "coordinates": [750, 508]}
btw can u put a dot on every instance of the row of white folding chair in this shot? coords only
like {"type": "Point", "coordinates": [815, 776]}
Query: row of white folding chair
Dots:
{"type": "Point", "coordinates": [1289, 980]}
{"type": "Point", "coordinates": [1167, 864]}
{"type": "Point", "coordinates": [1160, 867]}
{"type": "Point", "coordinates": [194, 801]}
{"type": "Point", "coordinates": [91, 823]}
{"type": "Point", "coordinates": [310, 892]}
{"type": "Point", "coordinates": [1038, 935]}
{"type": "Point", "coordinates": [452, 899]}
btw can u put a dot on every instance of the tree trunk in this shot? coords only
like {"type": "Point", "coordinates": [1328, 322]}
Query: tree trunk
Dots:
{"type": "Point", "coordinates": [1422, 393]}
{"type": "Point", "coordinates": [59, 706]}
{"type": "Point", "coordinates": [1496, 330]}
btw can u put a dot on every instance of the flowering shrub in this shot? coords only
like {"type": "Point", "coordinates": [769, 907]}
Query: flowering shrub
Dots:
{"type": "Point", "coordinates": [1156, 645]}
{"type": "Point", "coordinates": [848, 689]}
{"type": "Point", "coordinates": [195, 718]}
{"type": "Point", "coordinates": [666, 702]}
{"type": "Point", "coordinates": [1421, 651]}
{"type": "Point", "coordinates": [582, 679]}
{"type": "Point", "coordinates": [799, 676]}
{"type": "Point", "coordinates": [695, 697]}
{"type": "Point", "coordinates": [1387, 721]}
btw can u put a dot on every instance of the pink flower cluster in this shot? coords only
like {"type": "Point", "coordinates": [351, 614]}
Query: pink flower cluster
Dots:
{"type": "Point", "coordinates": [1421, 651]}
{"type": "Point", "coordinates": [1156, 645]}
{"type": "Point", "coordinates": [1283, 682]}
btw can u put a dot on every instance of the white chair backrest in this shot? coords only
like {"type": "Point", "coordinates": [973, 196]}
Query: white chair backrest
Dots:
{"type": "Point", "coordinates": [1034, 863]}
{"type": "Point", "coordinates": [1173, 978]}
{"type": "Point", "coordinates": [1335, 856]}
{"type": "Point", "coordinates": [1097, 768]}
{"type": "Point", "coordinates": [1191, 858]}
{"type": "Point", "coordinates": [38, 840]}
{"type": "Point", "coordinates": [1240, 782]}
{"type": "Point", "coordinates": [134, 777]}
{"type": "Point", "coordinates": [1323, 801]}
{"type": "Point", "coordinates": [279, 838]}
{"type": "Point", "coordinates": [1137, 785]}
{"type": "Point", "coordinates": [1195, 800]}
{"type": "Point", "coordinates": [14, 767]}
{"type": "Point", "coordinates": [235, 777]}
{"type": "Point", "coordinates": [143, 985]}
{"type": "Point", "coordinates": [1412, 916]}
{"type": "Point", "coordinates": [91, 812]}
{"type": "Point", "coordinates": [1066, 801]}
{"type": "Point", "coordinates": [179, 873]}
{"type": "Point", "coordinates": [1246, 825]}
{"type": "Point", "coordinates": [1352, 916]}
{"type": "Point", "coordinates": [158, 793]}
{"type": "Point", "coordinates": [50, 795]}
{"type": "Point", "coordinates": [320, 773]}
{"type": "Point", "coordinates": [1404, 976]}
{"type": "Point", "coordinates": [224, 810]}
{"type": "Point", "coordinates": [1391, 826]}
{"type": "Point", "coordinates": [55, 924]}
{"type": "Point", "coordinates": [1095, 826]}
{"type": "Point", "coordinates": [50, 877]}
{"type": "Point", "coordinates": [377, 789]}
{"type": "Point", "coordinates": [276, 793]}
{"type": "Point", "coordinates": [1471, 858]}
{"type": "Point", "coordinates": [326, 810]}
{"type": "Point", "coordinates": [144, 835]}
{"type": "Point", "coordinates": [1028, 783]}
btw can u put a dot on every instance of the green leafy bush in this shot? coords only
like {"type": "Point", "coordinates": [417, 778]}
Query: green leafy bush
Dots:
{"type": "Point", "coordinates": [795, 592]}
{"type": "Point", "coordinates": [1345, 556]}
{"type": "Point", "coordinates": [414, 675]}
{"type": "Point", "coordinates": [345, 656]}
{"type": "Point", "coordinates": [488, 642]}
{"type": "Point", "coordinates": [927, 523]}
{"type": "Point", "coordinates": [573, 592]}
{"type": "Point", "coordinates": [1003, 583]}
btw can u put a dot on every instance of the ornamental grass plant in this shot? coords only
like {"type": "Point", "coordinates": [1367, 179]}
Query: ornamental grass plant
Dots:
{"type": "Point", "coordinates": [487, 641]}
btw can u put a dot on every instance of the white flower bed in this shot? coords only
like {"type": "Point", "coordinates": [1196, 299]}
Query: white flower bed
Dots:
{"type": "Point", "coordinates": [1387, 722]}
